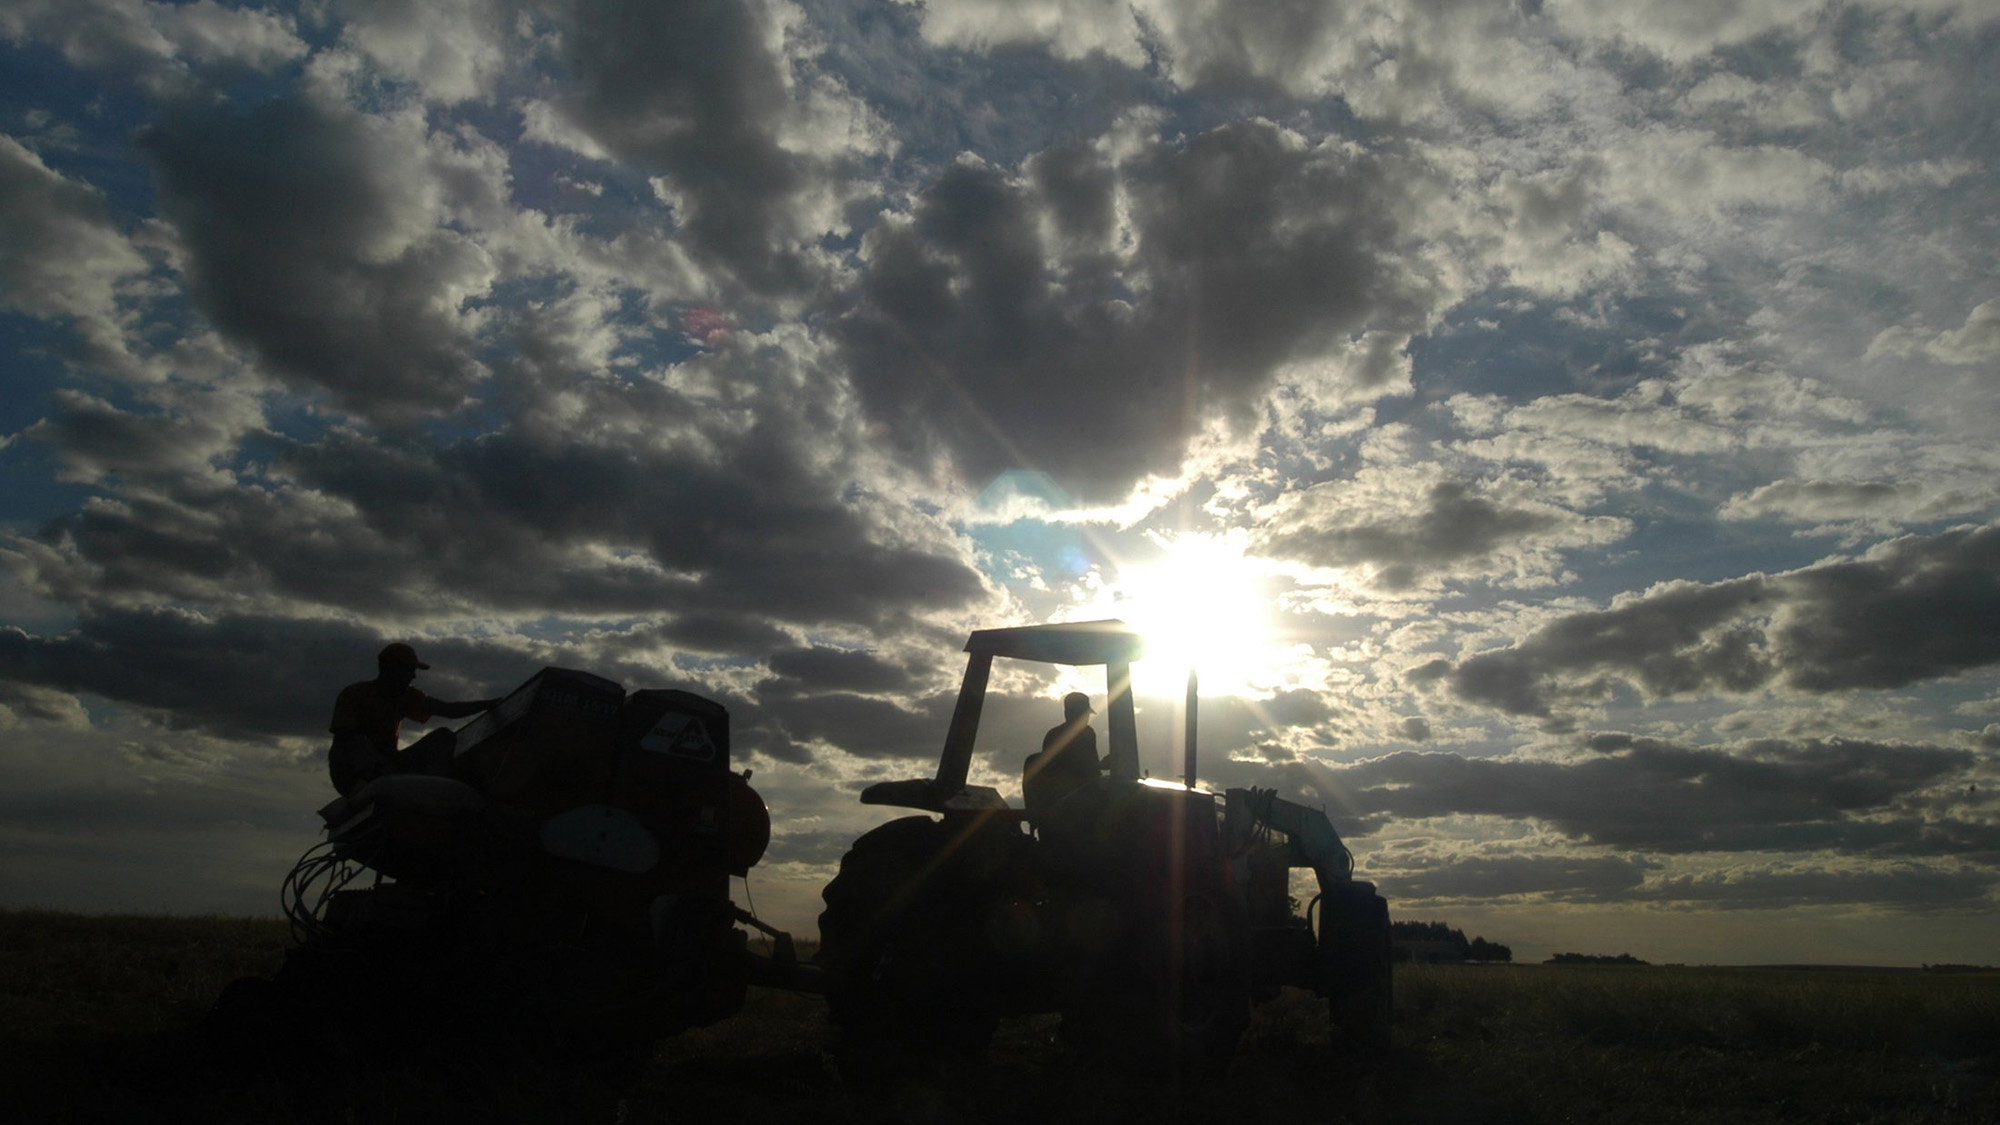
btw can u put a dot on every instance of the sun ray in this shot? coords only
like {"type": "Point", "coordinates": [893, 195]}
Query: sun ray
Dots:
{"type": "Point", "coordinates": [1202, 604]}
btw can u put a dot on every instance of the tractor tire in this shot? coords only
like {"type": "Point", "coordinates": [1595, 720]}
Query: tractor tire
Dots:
{"type": "Point", "coordinates": [1361, 1010]}
{"type": "Point", "coordinates": [899, 943]}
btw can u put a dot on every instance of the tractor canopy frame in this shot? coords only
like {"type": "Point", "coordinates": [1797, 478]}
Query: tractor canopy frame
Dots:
{"type": "Point", "coordinates": [1081, 644]}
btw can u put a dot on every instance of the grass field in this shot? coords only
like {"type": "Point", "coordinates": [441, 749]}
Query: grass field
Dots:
{"type": "Point", "coordinates": [97, 1016]}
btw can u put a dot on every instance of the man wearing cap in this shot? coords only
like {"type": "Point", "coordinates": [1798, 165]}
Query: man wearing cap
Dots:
{"type": "Point", "coordinates": [368, 718]}
{"type": "Point", "coordinates": [1068, 760]}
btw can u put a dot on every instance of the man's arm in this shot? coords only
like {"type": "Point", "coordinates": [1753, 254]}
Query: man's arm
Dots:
{"type": "Point", "coordinates": [443, 710]}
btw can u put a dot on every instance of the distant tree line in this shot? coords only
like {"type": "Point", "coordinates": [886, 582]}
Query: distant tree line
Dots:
{"type": "Point", "coordinates": [1477, 949]}
{"type": "Point", "coordinates": [1594, 959]}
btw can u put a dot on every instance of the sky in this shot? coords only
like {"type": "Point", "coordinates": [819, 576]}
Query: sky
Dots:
{"type": "Point", "coordinates": [1560, 431]}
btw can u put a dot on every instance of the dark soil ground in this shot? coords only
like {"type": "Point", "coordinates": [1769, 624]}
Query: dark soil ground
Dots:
{"type": "Point", "coordinates": [98, 1019]}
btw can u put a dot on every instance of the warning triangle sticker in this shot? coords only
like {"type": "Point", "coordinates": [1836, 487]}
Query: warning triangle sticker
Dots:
{"type": "Point", "coordinates": [683, 736]}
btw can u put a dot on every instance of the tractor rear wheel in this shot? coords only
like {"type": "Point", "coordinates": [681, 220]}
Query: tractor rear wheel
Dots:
{"type": "Point", "coordinates": [899, 942]}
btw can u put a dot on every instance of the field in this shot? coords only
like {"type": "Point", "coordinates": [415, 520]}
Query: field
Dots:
{"type": "Point", "coordinates": [97, 1016]}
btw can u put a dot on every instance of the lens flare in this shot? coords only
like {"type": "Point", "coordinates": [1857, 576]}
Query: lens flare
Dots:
{"type": "Point", "coordinates": [1202, 604]}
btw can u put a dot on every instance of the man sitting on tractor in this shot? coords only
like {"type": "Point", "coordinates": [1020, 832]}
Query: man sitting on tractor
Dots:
{"type": "Point", "coordinates": [1068, 760]}
{"type": "Point", "coordinates": [368, 717]}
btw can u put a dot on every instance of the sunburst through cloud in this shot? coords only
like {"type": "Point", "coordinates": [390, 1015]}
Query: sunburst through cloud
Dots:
{"type": "Point", "coordinates": [1559, 434]}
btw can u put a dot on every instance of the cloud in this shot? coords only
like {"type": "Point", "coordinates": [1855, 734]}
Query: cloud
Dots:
{"type": "Point", "coordinates": [175, 665]}
{"type": "Point", "coordinates": [822, 668]}
{"type": "Point", "coordinates": [1069, 30]}
{"type": "Point", "coordinates": [1084, 319]}
{"type": "Point", "coordinates": [1684, 32]}
{"type": "Point", "coordinates": [1974, 343]}
{"type": "Point", "coordinates": [95, 440]}
{"type": "Point", "coordinates": [1638, 419]}
{"type": "Point", "coordinates": [1901, 886]}
{"type": "Point", "coordinates": [679, 344]}
{"type": "Point", "coordinates": [1676, 639]}
{"type": "Point", "coordinates": [155, 45]}
{"type": "Point", "coordinates": [1912, 609]}
{"type": "Point", "coordinates": [1406, 534]}
{"type": "Point", "coordinates": [1865, 502]}
{"type": "Point", "coordinates": [1549, 230]}
{"type": "Point", "coordinates": [1485, 878]}
{"type": "Point", "coordinates": [453, 49]}
{"type": "Point", "coordinates": [753, 145]}
{"type": "Point", "coordinates": [22, 703]}
{"type": "Point", "coordinates": [865, 727]}
{"type": "Point", "coordinates": [1908, 610]}
{"type": "Point", "coordinates": [1844, 796]}
{"type": "Point", "coordinates": [61, 255]}
{"type": "Point", "coordinates": [510, 525]}
{"type": "Point", "coordinates": [314, 236]}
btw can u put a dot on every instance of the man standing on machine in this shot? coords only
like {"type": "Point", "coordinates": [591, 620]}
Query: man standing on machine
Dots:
{"type": "Point", "coordinates": [368, 717]}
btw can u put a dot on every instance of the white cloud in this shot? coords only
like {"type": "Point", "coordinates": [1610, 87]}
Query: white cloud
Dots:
{"type": "Point", "coordinates": [453, 49]}
{"type": "Point", "coordinates": [1865, 504]}
{"type": "Point", "coordinates": [61, 255]}
{"type": "Point", "coordinates": [1902, 177]}
{"type": "Point", "coordinates": [1407, 527]}
{"type": "Point", "coordinates": [1975, 342]}
{"type": "Point", "coordinates": [1694, 175]}
{"type": "Point", "coordinates": [1070, 30]}
{"type": "Point", "coordinates": [153, 43]}
{"type": "Point", "coordinates": [1685, 31]}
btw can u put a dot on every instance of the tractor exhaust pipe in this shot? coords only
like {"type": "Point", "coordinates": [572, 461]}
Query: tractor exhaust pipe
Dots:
{"type": "Point", "coordinates": [1193, 708]}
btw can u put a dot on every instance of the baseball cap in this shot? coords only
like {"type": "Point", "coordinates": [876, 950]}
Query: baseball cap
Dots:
{"type": "Point", "coordinates": [400, 654]}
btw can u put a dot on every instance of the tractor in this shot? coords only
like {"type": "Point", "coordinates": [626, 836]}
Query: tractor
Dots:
{"type": "Point", "coordinates": [1150, 914]}
{"type": "Point", "coordinates": [563, 887]}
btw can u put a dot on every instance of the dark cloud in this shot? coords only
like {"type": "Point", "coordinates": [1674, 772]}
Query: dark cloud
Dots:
{"type": "Point", "coordinates": [701, 94]}
{"type": "Point", "coordinates": [723, 633]}
{"type": "Point", "coordinates": [238, 677]}
{"type": "Point", "coordinates": [262, 677]}
{"type": "Point", "coordinates": [824, 669]}
{"type": "Point", "coordinates": [1451, 526]}
{"type": "Point", "coordinates": [1913, 609]}
{"type": "Point", "coordinates": [1648, 794]}
{"type": "Point", "coordinates": [1676, 639]}
{"type": "Point", "coordinates": [1018, 349]}
{"type": "Point", "coordinates": [866, 727]}
{"type": "Point", "coordinates": [1607, 879]}
{"type": "Point", "coordinates": [711, 525]}
{"type": "Point", "coordinates": [1903, 887]}
{"type": "Point", "coordinates": [1484, 878]}
{"type": "Point", "coordinates": [314, 237]}
{"type": "Point", "coordinates": [93, 439]}
{"type": "Point", "coordinates": [1824, 499]}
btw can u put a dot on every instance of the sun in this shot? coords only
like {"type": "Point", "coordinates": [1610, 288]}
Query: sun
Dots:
{"type": "Point", "coordinates": [1201, 604]}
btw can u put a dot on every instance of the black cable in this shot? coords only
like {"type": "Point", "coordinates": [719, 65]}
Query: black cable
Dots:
{"type": "Point", "coordinates": [769, 948]}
